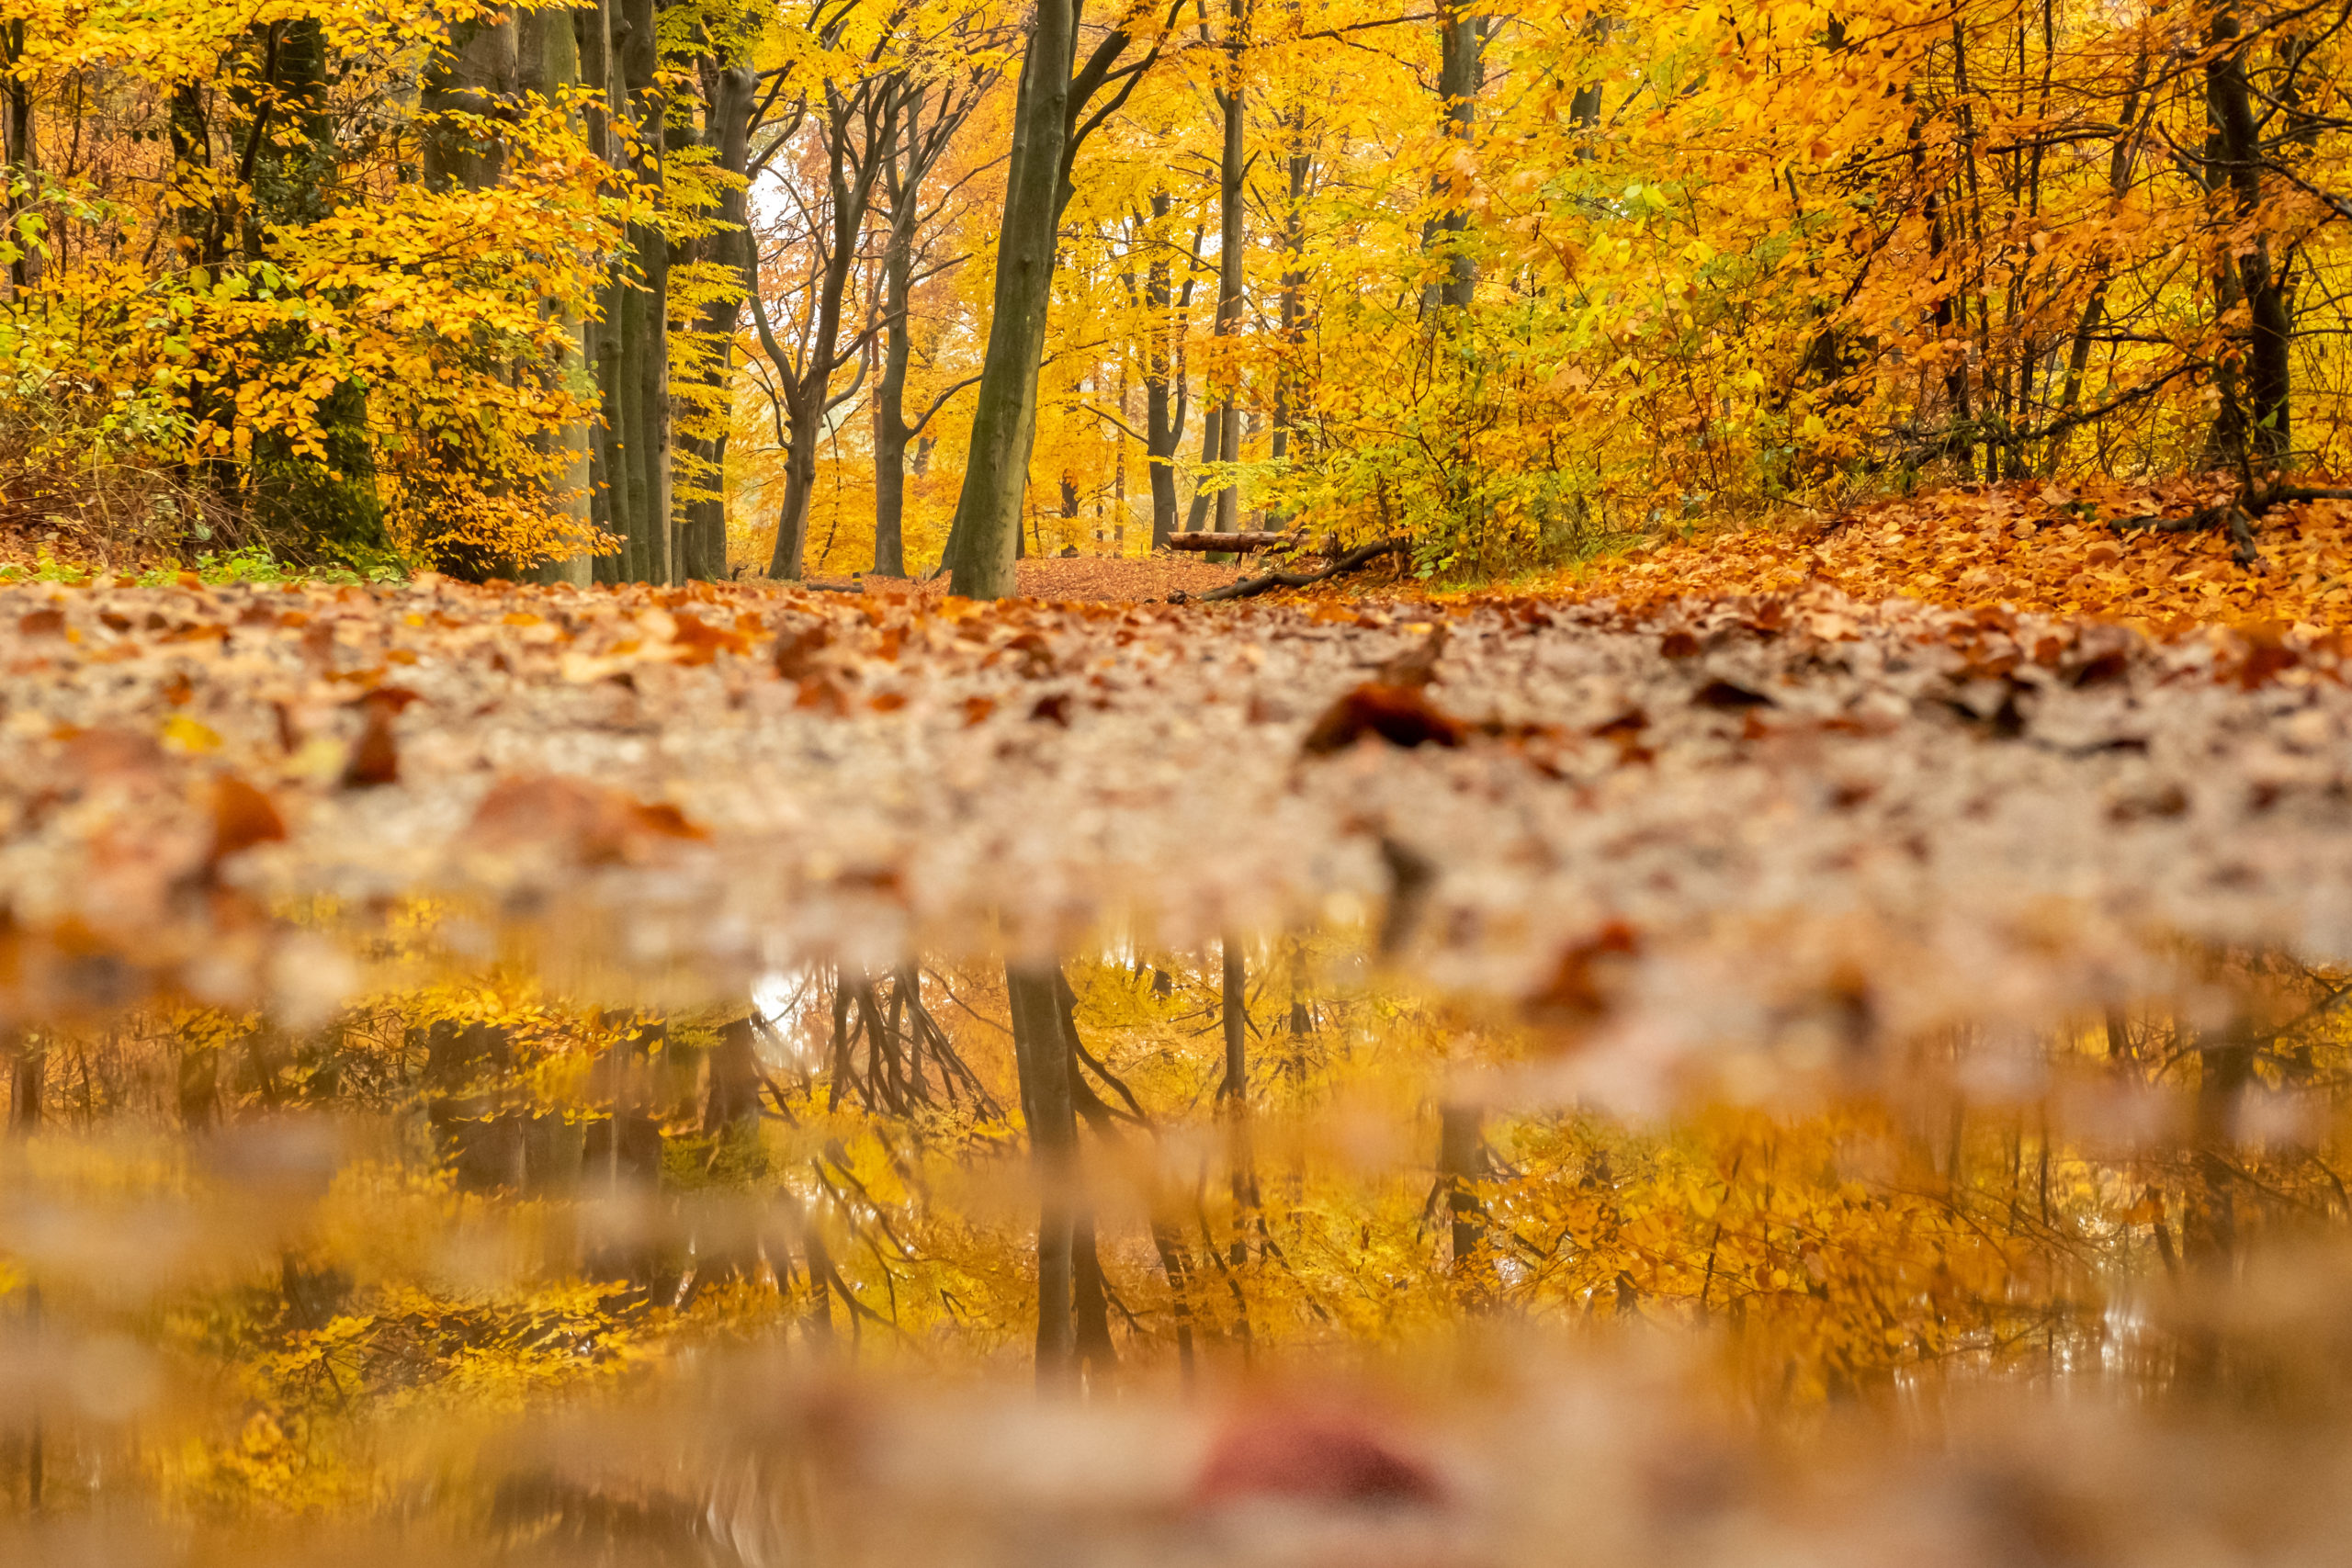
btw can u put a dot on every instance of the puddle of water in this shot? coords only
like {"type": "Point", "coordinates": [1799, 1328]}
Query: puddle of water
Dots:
{"type": "Point", "coordinates": [1158, 1256]}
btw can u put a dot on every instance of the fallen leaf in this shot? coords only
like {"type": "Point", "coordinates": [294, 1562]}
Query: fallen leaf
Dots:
{"type": "Point", "coordinates": [1401, 716]}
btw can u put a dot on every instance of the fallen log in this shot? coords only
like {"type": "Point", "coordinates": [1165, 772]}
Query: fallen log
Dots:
{"type": "Point", "coordinates": [1250, 586]}
{"type": "Point", "coordinates": [1248, 540]}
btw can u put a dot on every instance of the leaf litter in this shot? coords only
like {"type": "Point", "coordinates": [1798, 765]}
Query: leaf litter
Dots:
{"type": "Point", "coordinates": [1825, 826]}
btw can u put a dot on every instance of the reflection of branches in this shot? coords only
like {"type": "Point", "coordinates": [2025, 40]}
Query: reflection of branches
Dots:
{"type": "Point", "coordinates": [904, 1049]}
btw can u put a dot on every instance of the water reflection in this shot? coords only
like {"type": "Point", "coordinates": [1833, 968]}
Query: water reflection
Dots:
{"type": "Point", "coordinates": [1302, 1261]}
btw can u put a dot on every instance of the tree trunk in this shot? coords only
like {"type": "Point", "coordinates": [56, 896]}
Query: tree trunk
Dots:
{"type": "Point", "coordinates": [480, 73]}
{"type": "Point", "coordinates": [809, 396]}
{"type": "Point", "coordinates": [891, 431]}
{"type": "Point", "coordinates": [2259, 430]}
{"type": "Point", "coordinates": [1461, 71]}
{"type": "Point", "coordinates": [1293, 287]}
{"type": "Point", "coordinates": [1212, 444]}
{"type": "Point", "coordinates": [638, 437]}
{"type": "Point", "coordinates": [549, 62]}
{"type": "Point", "coordinates": [2078, 356]}
{"type": "Point", "coordinates": [1232, 165]}
{"type": "Point", "coordinates": [23, 161]}
{"type": "Point", "coordinates": [1163, 414]}
{"type": "Point", "coordinates": [996, 472]}
{"type": "Point", "coordinates": [727, 131]}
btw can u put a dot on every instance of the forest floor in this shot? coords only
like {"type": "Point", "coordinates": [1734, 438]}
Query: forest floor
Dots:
{"type": "Point", "coordinates": [1712, 793]}
{"type": "Point", "coordinates": [1753, 813]}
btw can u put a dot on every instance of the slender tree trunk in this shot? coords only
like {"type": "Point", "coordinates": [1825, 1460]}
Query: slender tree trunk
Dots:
{"type": "Point", "coordinates": [1165, 391]}
{"type": "Point", "coordinates": [1232, 165]}
{"type": "Point", "coordinates": [996, 472]}
{"type": "Point", "coordinates": [549, 62]}
{"type": "Point", "coordinates": [23, 158]}
{"type": "Point", "coordinates": [727, 129]}
{"type": "Point", "coordinates": [2079, 355]}
{"type": "Point", "coordinates": [809, 396]}
{"type": "Point", "coordinates": [1461, 70]}
{"type": "Point", "coordinates": [2265, 435]}
{"type": "Point", "coordinates": [594, 26]}
{"type": "Point", "coordinates": [1196, 516]}
{"type": "Point", "coordinates": [1293, 287]}
{"type": "Point", "coordinates": [891, 433]}
{"type": "Point", "coordinates": [643, 338]}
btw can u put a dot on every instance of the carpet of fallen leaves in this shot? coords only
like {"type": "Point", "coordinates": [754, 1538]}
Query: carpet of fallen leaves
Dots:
{"type": "Point", "coordinates": [2045, 549]}
{"type": "Point", "coordinates": [1784, 829]}
{"type": "Point", "coordinates": [1098, 579]}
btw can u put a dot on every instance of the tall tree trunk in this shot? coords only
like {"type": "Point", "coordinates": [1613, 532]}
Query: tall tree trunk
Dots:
{"type": "Point", "coordinates": [2079, 355]}
{"type": "Point", "coordinates": [636, 378]}
{"type": "Point", "coordinates": [1293, 285]}
{"type": "Point", "coordinates": [891, 431]}
{"type": "Point", "coordinates": [480, 74]}
{"type": "Point", "coordinates": [1232, 165]}
{"type": "Point", "coordinates": [808, 397]}
{"type": "Point", "coordinates": [1461, 71]}
{"type": "Point", "coordinates": [996, 472]}
{"type": "Point", "coordinates": [547, 63]}
{"type": "Point", "coordinates": [23, 159]}
{"type": "Point", "coordinates": [1196, 516]}
{"type": "Point", "coordinates": [1164, 389]}
{"type": "Point", "coordinates": [2263, 434]}
{"type": "Point", "coordinates": [726, 133]}
{"type": "Point", "coordinates": [594, 26]}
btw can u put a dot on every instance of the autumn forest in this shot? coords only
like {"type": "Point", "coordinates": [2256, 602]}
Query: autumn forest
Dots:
{"type": "Point", "coordinates": [1260, 782]}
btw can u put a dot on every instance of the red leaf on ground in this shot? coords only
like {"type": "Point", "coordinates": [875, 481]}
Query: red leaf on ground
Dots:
{"type": "Point", "coordinates": [1582, 987]}
{"type": "Point", "coordinates": [375, 760]}
{"type": "Point", "coordinates": [242, 816]}
{"type": "Point", "coordinates": [589, 823]}
{"type": "Point", "coordinates": [1306, 1457]}
{"type": "Point", "coordinates": [1399, 714]}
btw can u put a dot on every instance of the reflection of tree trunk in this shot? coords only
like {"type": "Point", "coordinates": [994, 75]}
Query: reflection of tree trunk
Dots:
{"type": "Point", "coordinates": [1235, 1091]}
{"type": "Point", "coordinates": [2226, 1070]}
{"type": "Point", "coordinates": [30, 1083]}
{"type": "Point", "coordinates": [1090, 1305]}
{"type": "Point", "coordinates": [2208, 1224]}
{"type": "Point", "coordinates": [1043, 1057]}
{"type": "Point", "coordinates": [199, 1075]}
{"type": "Point", "coordinates": [481, 1144]}
{"type": "Point", "coordinates": [1458, 1151]}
